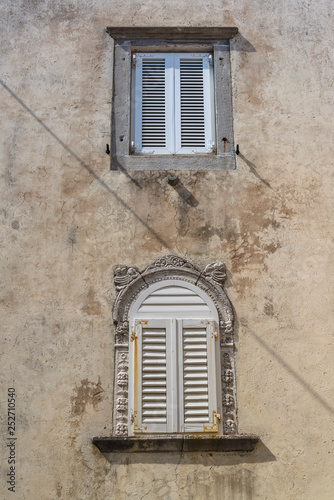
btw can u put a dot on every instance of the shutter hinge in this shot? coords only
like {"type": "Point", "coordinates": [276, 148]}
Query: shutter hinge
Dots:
{"type": "Point", "coordinates": [215, 335]}
{"type": "Point", "coordinates": [134, 60]}
{"type": "Point", "coordinates": [133, 335]}
{"type": "Point", "coordinates": [210, 60]}
{"type": "Point", "coordinates": [214, 426]}
{"type": "Point", "coordinates": [133, 420]}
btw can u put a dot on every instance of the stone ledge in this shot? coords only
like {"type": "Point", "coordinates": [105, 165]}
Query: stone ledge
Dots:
{"type": "Point", "coordinates": [177, 444]}
{"type": "Point", "coordinates": [175, 33]}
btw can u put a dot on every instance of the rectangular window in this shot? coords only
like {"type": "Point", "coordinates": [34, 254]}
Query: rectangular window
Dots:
{"type": "Point", "coordinates": [175, 386]}
{"type": "Point", "coordinates": [172, 99]}
{"type": "Point", "coordinates": [173, 103]}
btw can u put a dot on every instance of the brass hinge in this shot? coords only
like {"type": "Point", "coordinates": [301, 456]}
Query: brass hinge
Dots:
{"type": "Point", "coordinates": [214, 426]}
{"type": "Point", "coordinates": [133, 420]}
{"type": "Point", "coordinates": [133, 335]}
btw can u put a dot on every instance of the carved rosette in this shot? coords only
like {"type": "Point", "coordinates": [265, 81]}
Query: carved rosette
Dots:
{"type": "Point", "coordinates": [129, 282]}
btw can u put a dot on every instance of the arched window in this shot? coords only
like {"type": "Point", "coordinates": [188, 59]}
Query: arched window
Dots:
{"type": "Point", "coordinates": [174, 350]}
{"type": "Point", "coordinates": [174, 375]}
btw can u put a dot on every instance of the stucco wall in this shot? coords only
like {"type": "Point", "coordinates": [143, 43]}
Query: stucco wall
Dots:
{"type": "Point", "coordinates": [67, 221]}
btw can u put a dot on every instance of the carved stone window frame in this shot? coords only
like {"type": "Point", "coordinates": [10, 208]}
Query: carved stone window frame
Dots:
{"type": "Point", "coordinates": [129, 282]}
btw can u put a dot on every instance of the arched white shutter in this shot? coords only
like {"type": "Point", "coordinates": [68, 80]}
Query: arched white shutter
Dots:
{"type": "Point", "coordinates": [150, 375]}
{"type": "Point", "coordinates": [173, 362]}
{"type": "Point", "coordinates": [197, 380]}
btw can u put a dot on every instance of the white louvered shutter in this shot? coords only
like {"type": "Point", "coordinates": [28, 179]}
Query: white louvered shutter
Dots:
{"type": "Point", "coordinates": [193, 104]}
{"type": "Point", "coordinates": [154, 404]}
{"type": "Point", "coordinates": [197, 380]}
{"type": "Point", "coordinates": [173, 378]}
{"type": "Point", "coordinates": [154, 90]}
{"type": "Point", "coordinates": [173, 103]}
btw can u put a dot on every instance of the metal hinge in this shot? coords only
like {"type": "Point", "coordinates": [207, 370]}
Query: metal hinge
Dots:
{"type": "Point", "coordinates": [133, 335]}
{"type": "Point", "coordinates": [134, 60]}
{"type": "Point", "coordinates": [214, 426]}
{"type": "Point", "coordinates": [133, 420]}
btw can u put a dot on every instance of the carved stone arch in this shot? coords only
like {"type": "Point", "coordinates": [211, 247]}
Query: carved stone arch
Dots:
{"type": "Point", "coordinates": [129, 283]}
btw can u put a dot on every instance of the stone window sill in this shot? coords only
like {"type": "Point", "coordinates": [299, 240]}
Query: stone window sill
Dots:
{"type": "Point", "coordinates": [177, 444]}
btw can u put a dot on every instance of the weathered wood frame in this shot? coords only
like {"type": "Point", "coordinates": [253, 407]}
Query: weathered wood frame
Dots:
{"type": "Point", "coordinates": [131, 40]}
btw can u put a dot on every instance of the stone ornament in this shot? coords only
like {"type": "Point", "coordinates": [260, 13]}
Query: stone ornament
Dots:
{"type": "Point", "coordinates": [170, 261]}
{"type": "Point", "coordinates": [216, 272]}
{"type": "Point", "coordinates": [123, 276]}
{"type": "Point", "coordinates": [122, 333]}
{"type": "Point", "coordinates": [121, 392]}
{"type": "Point", "coordinates": [129, 282]}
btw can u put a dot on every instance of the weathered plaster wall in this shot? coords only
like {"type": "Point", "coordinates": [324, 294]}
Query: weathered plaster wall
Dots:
{"type": "Point", "coordinates": [67, 221]}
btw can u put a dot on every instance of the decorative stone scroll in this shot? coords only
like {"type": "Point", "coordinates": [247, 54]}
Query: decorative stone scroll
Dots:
{"type": "Point", "coordinates": [129, 282]}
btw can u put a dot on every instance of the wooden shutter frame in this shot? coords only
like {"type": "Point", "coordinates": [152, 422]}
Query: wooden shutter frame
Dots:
{"type": "Point", "coordinates": [173, 104]}
{"type": "Point", "coordinates": [137, 105]}
{"type": "Point", "coordinates": [137, 425]}
{"type": "Point", "coordinates": [175, 378]}
{"type": "Point", "coordinates": [213, 372]}
{"type": "Point", "coordinates": [212, 39]}
{"type": "Point", "coordinates": [208, 96]}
